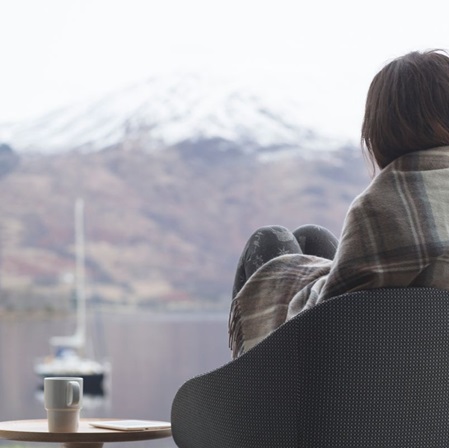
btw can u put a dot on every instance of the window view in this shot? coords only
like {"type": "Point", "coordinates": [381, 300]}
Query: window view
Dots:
{"type": "Point", "coordinates": [141, 143]}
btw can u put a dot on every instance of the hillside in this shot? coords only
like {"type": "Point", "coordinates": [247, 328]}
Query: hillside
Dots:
{"type": "Point", "coordinates": [163, 228]}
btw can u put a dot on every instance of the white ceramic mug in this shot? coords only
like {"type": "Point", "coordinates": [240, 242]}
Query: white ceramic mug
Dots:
{"type": "Point", "coordinates": [63, 398]}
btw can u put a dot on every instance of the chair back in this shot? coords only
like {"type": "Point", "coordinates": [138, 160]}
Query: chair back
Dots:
{"type": "Point", "coordinates": [365, 369]}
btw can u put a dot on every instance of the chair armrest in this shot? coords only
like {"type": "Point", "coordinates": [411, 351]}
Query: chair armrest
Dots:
{"type": "Point", "coordinates": [247, 402]}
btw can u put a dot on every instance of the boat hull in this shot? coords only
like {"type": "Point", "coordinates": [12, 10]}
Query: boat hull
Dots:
{"type": "Point", "coordinates": [93, 384]}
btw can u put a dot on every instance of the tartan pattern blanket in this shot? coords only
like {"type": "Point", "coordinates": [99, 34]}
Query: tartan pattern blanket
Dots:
{"type": "Point", "coordinates": [395, 234]}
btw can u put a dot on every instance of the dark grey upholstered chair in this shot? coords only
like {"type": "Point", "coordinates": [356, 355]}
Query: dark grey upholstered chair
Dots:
{"type": "Point", "coordinates": [365, 369]}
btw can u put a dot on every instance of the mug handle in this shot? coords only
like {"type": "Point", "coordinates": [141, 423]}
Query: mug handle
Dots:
{"type": "Point", "coordinates": [73, 393]}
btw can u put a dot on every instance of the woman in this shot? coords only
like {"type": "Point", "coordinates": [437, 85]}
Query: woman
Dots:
{"type": "Point", "coordinates": [395, 234]}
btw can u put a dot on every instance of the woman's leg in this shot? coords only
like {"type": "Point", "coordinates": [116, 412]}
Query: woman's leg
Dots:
{"type": "Point", "coordinates": [316, 240]}
{"type": "Point", "coordinates": [263, 245]}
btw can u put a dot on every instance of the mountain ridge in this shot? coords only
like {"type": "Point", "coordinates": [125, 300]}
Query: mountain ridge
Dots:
{"type": "Point", "coordinates": [167, 111]}
{"type": "Point", "coordinates": [174, 182]}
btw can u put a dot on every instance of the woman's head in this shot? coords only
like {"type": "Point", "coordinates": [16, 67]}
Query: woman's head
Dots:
{"type": "Point", "coordinates": [407, 107]}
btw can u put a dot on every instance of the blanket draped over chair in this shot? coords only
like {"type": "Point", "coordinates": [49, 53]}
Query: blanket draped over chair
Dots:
{"type": "Point", "coordinates": [395, 234]}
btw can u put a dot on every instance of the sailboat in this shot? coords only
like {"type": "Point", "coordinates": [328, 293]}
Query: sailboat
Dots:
{"type": "Point", "coordinates": [68, 352]}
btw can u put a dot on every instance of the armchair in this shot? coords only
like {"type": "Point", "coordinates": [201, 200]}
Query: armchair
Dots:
{"type": "Point", "coordinates": [364, 369]}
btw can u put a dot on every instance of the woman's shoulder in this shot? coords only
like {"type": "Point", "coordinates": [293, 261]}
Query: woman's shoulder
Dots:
{"type": "Point", "coordinates": [415, 171]}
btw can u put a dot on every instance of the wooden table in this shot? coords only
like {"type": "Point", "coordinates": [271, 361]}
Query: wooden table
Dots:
{"type": "Point", "coordinates": [86, 437]}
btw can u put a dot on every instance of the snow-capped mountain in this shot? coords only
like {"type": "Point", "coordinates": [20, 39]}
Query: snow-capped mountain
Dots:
{"type": "Point", "coordinates": [166, 111]}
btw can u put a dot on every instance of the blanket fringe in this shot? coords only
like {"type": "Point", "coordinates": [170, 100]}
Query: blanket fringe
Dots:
{"type": "Point", "coordinates": [235, 329]}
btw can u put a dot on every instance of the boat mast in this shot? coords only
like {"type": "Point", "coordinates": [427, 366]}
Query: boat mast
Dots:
{"type": "Point", "coordinates": [78, 339]}
{"type": "Point", "coordinates": [80, 271]}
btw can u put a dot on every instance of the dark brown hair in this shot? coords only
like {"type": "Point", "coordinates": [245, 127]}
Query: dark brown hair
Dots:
{"type": "Point", "coordinates": [407, 107]}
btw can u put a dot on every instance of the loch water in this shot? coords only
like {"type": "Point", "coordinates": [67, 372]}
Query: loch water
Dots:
{"type": "Point", "coordinates": [150, 355]}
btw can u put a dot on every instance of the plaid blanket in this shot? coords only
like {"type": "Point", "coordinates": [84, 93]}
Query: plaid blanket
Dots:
{"type": "Point", "coordinates": [396, 233]}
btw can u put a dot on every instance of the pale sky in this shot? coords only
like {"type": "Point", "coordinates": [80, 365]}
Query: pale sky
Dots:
{"type": "Point", "coordinates": [323, 54]}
